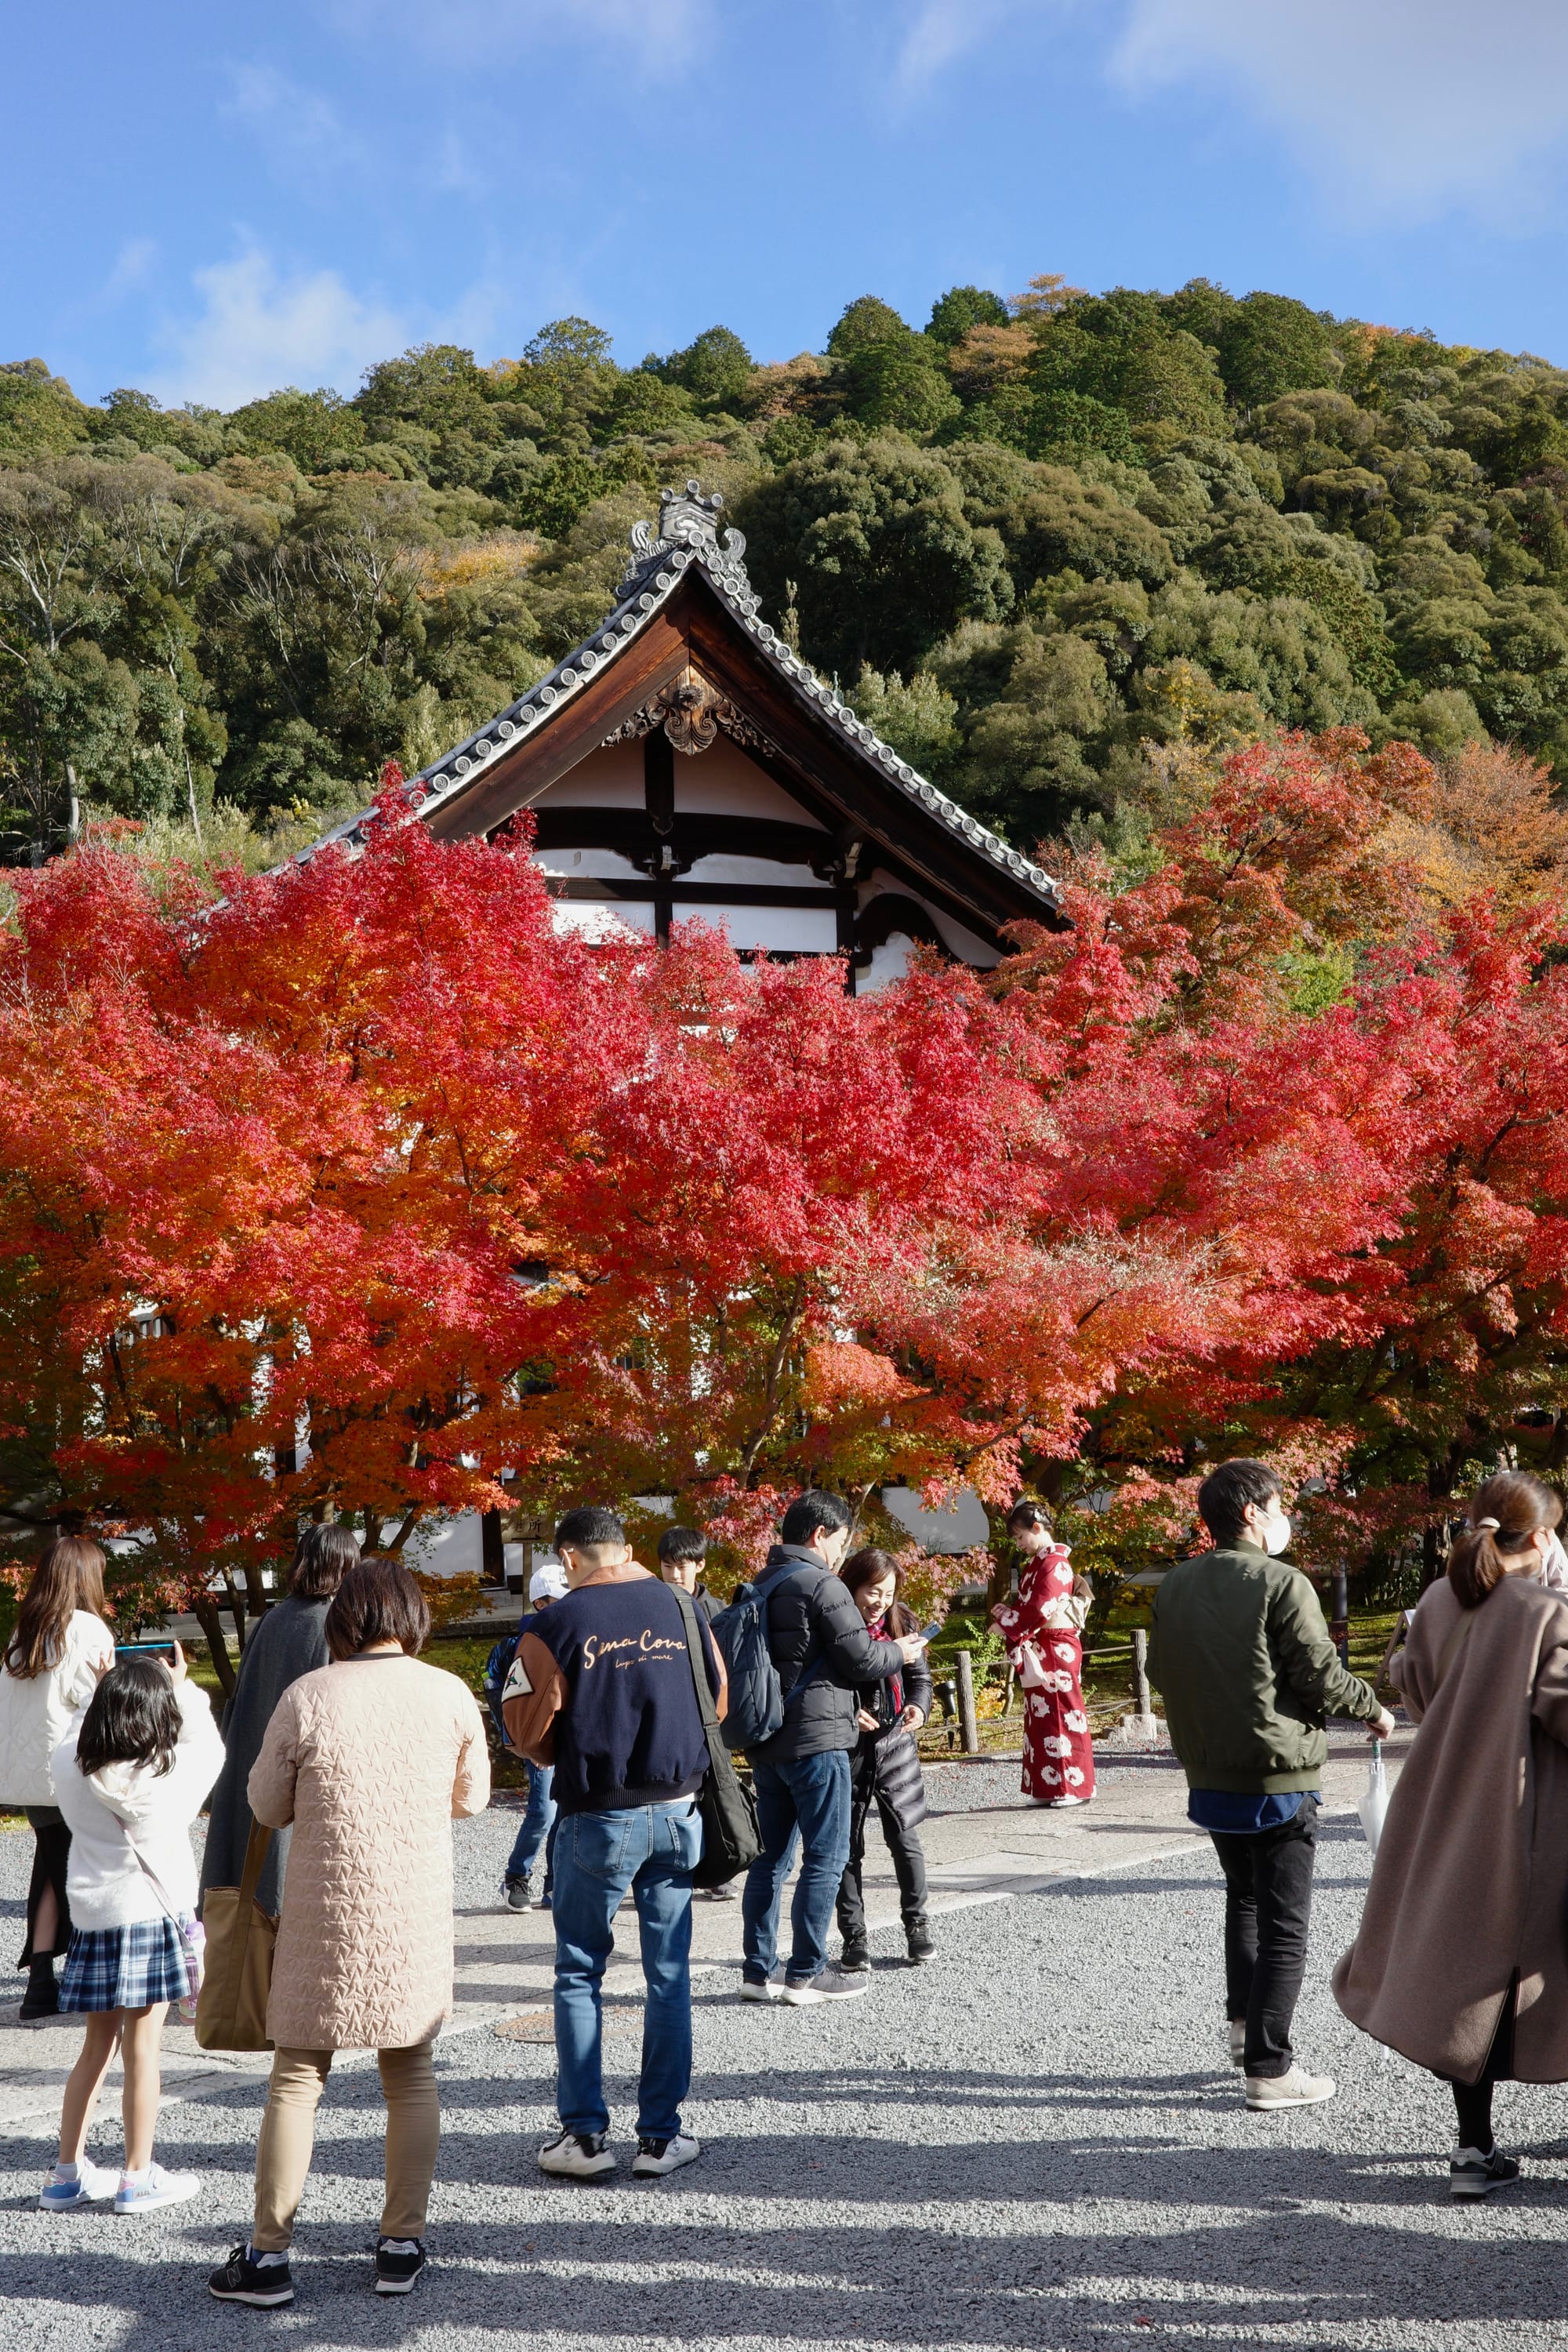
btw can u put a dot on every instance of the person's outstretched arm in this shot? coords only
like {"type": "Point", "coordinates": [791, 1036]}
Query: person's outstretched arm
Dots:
{"type": "Point", "coordinates": [1307, 1659]}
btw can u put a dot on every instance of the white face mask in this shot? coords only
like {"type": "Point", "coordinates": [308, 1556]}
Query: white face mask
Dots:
{"type": "Point", "coordinates": [1276, 1533]}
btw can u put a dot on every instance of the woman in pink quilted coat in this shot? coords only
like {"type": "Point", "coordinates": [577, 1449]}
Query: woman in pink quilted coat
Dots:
{"type": "Point", "coordinates": [369, 1759]}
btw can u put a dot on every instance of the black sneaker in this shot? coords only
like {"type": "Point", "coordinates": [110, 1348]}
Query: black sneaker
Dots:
{"type": "Point", "coordinates": [243, 2280]}
{"type": "Point", "coordinates": [519, 1894]}
{"type": "Point", "coordinates": [921, 1948]}
{"type": "Point", "coordinates": [1473, 2174]}
{"type": "Point", "coordinates": [854, 1959]}
{"type": "Point", "coordinates": [398, 2263]}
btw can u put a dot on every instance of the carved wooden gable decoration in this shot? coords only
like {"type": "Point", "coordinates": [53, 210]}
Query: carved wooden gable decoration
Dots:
{"type": "Point", "coordinates": [684, 761]}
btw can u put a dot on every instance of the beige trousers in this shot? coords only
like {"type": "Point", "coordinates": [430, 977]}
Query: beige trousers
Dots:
{"type": "Point", "coordinates": [288, 2129]}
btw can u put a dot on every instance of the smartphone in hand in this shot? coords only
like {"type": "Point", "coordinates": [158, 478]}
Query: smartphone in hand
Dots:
{"type": "Point", "coordinates": [164, 1650]}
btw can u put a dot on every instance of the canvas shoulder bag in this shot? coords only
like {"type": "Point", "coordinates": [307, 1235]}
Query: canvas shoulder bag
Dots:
{"type": "Point", "coordinates": [730, 1841]}
{"type": "Point", "coordinates": [231, 2007]}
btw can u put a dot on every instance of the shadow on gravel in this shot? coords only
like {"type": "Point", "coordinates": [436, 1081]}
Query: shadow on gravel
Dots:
{"type": "Point", "coordinates": [632, 2268]}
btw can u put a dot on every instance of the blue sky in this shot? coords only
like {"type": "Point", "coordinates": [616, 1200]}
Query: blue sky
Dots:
{"type": "Point", "coordinates": [208, 202]}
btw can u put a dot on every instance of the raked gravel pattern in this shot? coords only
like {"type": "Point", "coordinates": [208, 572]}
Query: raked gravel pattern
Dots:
{"type": "Point", "coordinates": [1034, 2142]}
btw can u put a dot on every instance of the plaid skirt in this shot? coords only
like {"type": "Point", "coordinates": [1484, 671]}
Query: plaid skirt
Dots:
{"type": "Point", "coordinates": [124, 1967]}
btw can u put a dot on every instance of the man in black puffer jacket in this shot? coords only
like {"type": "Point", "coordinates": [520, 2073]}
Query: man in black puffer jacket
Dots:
{"type": "Point", "coordinates": [818, 1642]}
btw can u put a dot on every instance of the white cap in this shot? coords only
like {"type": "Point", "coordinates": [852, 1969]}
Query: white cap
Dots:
{"type": "Point", "coordinates": [548, 1581]}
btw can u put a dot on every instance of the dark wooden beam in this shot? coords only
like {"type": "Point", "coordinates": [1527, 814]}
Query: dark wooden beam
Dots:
{"type": "Point", "coordinates": [658, 794]}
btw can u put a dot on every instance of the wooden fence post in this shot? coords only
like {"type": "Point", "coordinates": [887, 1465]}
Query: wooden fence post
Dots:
{"type": "Point", "coordinates": [967, 1724]}
{"type": "Point", "coordinates": [1141, 1699]}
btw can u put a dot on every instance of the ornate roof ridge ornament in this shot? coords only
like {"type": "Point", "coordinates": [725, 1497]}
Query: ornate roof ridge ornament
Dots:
{"type": "Point", "coordinates": [688, 520]}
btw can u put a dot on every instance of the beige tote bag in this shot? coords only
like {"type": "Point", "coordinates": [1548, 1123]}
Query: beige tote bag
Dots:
{"type": "Point", "coordinates": [231, 2011]}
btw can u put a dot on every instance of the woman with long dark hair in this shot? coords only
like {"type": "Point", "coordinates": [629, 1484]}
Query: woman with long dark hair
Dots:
{"type": "Point", "coordinates": [885, 1767]}
{"type": "Point", "coordinates": [58, 1647]}
{"type": "Point", "coordinates": [290, 1641]}
{"type": "Point", "coordinates": [1460, 1962]}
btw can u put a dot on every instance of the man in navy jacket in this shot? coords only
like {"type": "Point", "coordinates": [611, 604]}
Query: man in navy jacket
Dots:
{"type": "Point", "coordinates": [818, 1642]}
{"type": "Point", "coordinates": [602, 1689]}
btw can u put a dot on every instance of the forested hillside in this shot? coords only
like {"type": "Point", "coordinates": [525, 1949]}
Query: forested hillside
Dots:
{"type": "Point", "coordinates": [1031, 540]}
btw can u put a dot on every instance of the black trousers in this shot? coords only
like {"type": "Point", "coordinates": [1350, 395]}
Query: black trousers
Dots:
{"type": "Point", "coordinates": [903, 1844]}
{"type": "Point", "coordinates": [51, 1851]}
{"type": "Point", "coordinates": [1473, 2101]}
{"type": "Point", "coordinates": [1268, 1904]}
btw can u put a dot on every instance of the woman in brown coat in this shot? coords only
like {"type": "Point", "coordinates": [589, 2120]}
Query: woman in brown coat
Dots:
{"type": "Point", "coordinates": [1461, 1962]}
{"type": "Point", "coordinates": [369, 1758]}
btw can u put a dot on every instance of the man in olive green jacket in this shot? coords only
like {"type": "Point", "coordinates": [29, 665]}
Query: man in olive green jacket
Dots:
{"type": "Point", "coordinates": [1249, 1675]}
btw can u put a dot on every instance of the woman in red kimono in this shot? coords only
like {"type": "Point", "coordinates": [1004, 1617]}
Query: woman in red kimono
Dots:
{"type": "Point", "coordinates": [1042, 1629]}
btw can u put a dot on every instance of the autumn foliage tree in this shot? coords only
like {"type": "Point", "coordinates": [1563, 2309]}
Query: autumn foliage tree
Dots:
{"type": "Point", "coordinates": [366, 1190]}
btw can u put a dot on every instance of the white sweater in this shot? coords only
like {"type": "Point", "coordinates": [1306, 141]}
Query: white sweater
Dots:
{"type": "Point", "coordinates": [36, 1713]}
{"type": "Point", "coordinates": [106, 1885]}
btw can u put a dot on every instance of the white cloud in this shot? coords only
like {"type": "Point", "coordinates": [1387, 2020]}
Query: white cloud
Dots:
{"type": "Point", "coordinates": [1410, 106]}
{"type": "Point", "coordinates": [646, 40]}
{"type": "Point", "coordinates": [299, 129]}
{"type": "Point", "coordinates": [132, 267]}
{"type": "Point", "coordinates": [259, 329]}
{"type": "Point", "coordinates": [942, 32]}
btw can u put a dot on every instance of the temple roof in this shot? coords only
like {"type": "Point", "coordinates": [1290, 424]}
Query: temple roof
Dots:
{"type": "Point", "coordinates": [689, 536]}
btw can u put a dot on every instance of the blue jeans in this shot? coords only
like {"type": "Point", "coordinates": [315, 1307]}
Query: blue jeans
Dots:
{"type": "Point", "coordinates": [808, 1799]}
{"type": "Point", "coordinates": [538, 1821]}
{"type": "Point", "coordinates": [652, 1850]}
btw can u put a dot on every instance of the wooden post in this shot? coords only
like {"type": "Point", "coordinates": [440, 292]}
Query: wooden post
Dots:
{"type": "Point", "coordinates": [1340, 1624]}
{"type": "Point", "coordinates": [1141, 1699]}
{"type": "Point", "coordinates": [967, 1725]}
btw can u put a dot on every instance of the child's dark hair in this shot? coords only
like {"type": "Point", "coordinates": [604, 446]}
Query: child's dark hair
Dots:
{"type": "Point", "coordinates": [682, 1543]}
{"type": "Point", "coordinates": [1027, 1512]}
{"type": "Point", "coordinates": [132, 1718]}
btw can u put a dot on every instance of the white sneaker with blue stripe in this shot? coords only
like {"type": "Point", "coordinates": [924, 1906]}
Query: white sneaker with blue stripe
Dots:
{"type": "Point", "coordinates": [85, 2184]}
{"type": "Point", "coordinates": [143, 2192]}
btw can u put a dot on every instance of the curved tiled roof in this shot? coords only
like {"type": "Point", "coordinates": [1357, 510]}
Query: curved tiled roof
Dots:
{"type": "Point", "coordinates": [688, 534]}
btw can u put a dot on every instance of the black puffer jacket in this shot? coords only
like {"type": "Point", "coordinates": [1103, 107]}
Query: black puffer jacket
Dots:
{"type": "Point", "coordinates": [813, 1623]}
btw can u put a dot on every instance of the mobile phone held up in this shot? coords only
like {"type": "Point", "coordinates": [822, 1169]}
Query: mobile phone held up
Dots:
{"type": "Point", "coordinates": [928, 1632]}
{"type": "Point", "coordinates": [164, 1650]}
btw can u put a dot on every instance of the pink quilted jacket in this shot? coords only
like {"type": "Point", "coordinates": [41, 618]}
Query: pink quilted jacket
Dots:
{"type": "Point", "coordinates": [370, 1760]}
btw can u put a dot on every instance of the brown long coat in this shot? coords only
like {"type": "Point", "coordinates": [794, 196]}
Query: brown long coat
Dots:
{"type": "Point", "coordinates": [1471, 1877]}
{"type": "Point", "coordinates": [370, 1760]}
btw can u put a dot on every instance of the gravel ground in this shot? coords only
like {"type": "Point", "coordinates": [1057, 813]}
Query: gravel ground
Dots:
{"type": "Point", "coordinates": [1032, 2142]}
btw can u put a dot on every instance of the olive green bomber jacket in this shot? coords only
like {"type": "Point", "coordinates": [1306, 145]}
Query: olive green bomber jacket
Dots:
{"type": "Point", "coordinates": [1242, 1655]}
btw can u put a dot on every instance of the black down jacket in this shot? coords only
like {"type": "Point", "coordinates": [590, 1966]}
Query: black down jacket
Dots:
{"type": "Point", "coordinates": [813, 1626]}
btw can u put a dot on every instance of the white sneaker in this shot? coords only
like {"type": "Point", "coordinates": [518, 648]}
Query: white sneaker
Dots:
{"type": "Point", "coordinates": [828, 1984]}
{"type": "Point", "coordinates": [577, 2155]}
{"type": "Point", "coordinates": [770, 1989]}
{"type": "Point", "coordinates": [654, 2158]}
{"type": "Point", "coordinates": [94, 2183]}
{"type": "Point", "coordinates": [143, 2192]}
{"type": "Point", "coordinates": [1235, 2029]}
{"type": "Point", "coordinates": [1295, 2088]}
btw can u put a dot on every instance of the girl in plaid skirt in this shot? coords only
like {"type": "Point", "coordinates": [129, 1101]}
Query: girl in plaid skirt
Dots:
{"type": "Point", "coordinates": [130, 1777]}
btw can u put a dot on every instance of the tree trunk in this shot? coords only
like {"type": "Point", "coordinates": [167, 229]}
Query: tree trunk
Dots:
{"type": "Point", "coordinates": [204, 1609]}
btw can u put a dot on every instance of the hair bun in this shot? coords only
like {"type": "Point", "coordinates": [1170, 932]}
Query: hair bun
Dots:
{"type": "Point", "coordinates": [1488, 1523]}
